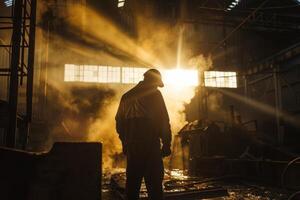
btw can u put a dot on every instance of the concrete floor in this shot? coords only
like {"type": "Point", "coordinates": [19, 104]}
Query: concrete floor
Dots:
{"type": "Point", "coordinates": [236, 190]}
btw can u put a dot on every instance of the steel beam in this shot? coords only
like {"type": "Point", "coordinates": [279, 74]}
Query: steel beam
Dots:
{"type": "Point", "coordinates": [258, 21]}
{"type": "Point", "coordinates": [252, 82]}
{"type": "Point", "coordinates": [291, 53]}
{"type": "Point", "coordinates": [23, 41]}
{"type": "Point", "coordinates": [30, 70]}
{"type": "Point", "coordinates": [14, 80]}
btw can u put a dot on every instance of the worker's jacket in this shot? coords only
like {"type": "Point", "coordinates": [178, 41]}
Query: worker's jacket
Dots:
{"type": "Point", "coordinates": [142, 119]}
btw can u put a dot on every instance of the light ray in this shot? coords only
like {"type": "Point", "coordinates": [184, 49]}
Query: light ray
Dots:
{"type": "Point", "coordinates": [262, 107]}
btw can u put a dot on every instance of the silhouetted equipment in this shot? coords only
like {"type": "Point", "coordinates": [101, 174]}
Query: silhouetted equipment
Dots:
{"type": "Point", "coordinates": [206, 139]}
{"type": "Point", "coordinates": [218, 149]}
{"type": "Point", "coordinates": [67, 171]}
{"type": "Point", "coordinates": [219, 139]}
{"type": "Point", "coordinates": [21, 54]}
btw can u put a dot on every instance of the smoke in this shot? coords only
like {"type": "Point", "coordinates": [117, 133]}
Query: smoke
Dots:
{"type": "Point", "coordinates": [85, 112]}
{"type": "Point", "coordinates": [204, 63]}
{"type": "Point", "coordinates": [103, 129]}
{"type": "Point", "coordinates": [175, 99]}
{"type": "Point", "coordinates": [76, 107]}
{"type": "Point", "coordinates": [215, 102]}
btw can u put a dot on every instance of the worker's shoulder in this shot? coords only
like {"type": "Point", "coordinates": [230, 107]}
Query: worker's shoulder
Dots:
{"type": "Point", "coordinates": [139, 91]}
{"type": "Point", "coordinates": [156, 92]}
{"type": "Point", "coordinates": [125, 96]}
{"type": "Point", "coordinates": [130, 93]}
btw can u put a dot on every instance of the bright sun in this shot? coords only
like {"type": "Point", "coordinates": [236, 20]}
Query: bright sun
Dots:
{"type": "Point", "coordinates": [180, 77]}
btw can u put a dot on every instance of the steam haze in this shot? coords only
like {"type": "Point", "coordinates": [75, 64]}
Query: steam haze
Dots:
{"type": "Point", "coordinates": [86, 111]}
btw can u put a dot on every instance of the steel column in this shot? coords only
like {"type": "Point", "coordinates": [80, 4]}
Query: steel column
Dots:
{"type": "Point", "coordinates": [246, 86]}
{"type": "Point", "coordinates": [278, 105]}
{"type": "Point", "coordinates": [30, 71]}
{"type": "Point", "coordinates": [14, 81]}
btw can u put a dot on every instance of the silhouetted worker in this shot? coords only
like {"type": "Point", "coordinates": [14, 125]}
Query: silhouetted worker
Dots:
{"type": "Point", "coordinates": [142, 122]}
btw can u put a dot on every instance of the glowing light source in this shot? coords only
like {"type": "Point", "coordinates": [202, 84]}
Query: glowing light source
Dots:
{"type": "Point", "coordinates": [233, 4]}
{"type": "Point", "coordinates": [180, 77]}
{"type": "Point", "coordinates": [220, 79]}
{"type": "Point", "coordinates": [8, 3]}
{"type": "Point", "coordinates": [121, 3]}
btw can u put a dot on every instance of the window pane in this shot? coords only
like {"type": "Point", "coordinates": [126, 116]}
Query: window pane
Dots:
{"type": "Point", "coordinates": [220, 79]}
{"type": "Point", "coordinates": [90, 73]}
{"type": "Point", "coordinates": [132, 74]}
{"type": "Point", "coordinates": [69, 72]}
{"type": "Point", "coordinates": [102, 74]}
{"type": "Point", "coordinates": [121, 4]}
{"type": "Point", "coordinates": [113, 74]}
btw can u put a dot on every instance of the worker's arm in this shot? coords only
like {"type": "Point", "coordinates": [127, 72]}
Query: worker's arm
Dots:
{"type": "Point", "coordinates": [165, 128]}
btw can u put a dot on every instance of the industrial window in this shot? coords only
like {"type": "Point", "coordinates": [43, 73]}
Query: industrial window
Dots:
{"type": "Point", "coordinates": [8, 3]}
{"type": "Point", "coordinates": [126, 75]}
{"type": "Point", "coordinates": [113, 74]}
{"type": "Point", "coordinates": [220, 79]}
{"type": "Point", "coordinates": [74, 72]}
{"type": "Point", "coordinates": [69, 72]}
{"type": "Point", "coordinates": [233, 4]}
{"type": "Point", "coordinates": [108, 74]}
{"type": "Point", "coordinates": [121, 3]}
{"type": "Point", "coordinates": [132, 74]}
{"type": "Point", "coordinates": [102, 74]}
{"type": "Point", "coordinates": [90, 73]}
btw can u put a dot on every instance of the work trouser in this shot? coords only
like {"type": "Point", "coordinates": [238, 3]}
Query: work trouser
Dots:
{"type": "Point", "coordinates": [148, 165]}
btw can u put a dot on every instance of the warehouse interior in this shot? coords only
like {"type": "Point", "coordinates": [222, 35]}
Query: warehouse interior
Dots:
{"type": "Point", "coordinates": [231, 70]}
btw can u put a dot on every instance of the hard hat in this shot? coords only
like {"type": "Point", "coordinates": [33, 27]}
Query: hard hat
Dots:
{"type": "Point", "coordinates": [153, 76]}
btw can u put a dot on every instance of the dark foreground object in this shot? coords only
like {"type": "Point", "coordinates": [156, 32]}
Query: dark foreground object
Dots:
{"type": "Point", "coordinates": [68, 171]}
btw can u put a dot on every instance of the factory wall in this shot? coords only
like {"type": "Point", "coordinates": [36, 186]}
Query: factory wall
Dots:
{"type": "Point", "coordinates": [4, 64]}
{"type": "Point", "coordinates": [56, 48]}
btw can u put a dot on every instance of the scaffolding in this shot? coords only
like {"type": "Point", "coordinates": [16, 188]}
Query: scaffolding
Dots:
{"type": "Point", "coordinates": [20, 26]}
